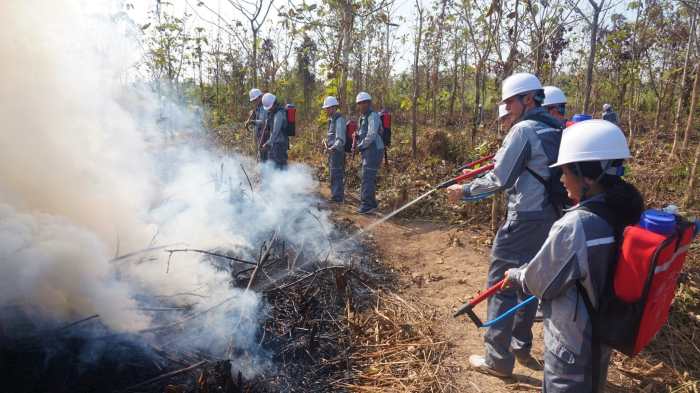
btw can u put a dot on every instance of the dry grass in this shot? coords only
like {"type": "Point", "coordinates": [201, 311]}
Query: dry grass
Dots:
{"type": "Point", "coordinates": [397, 349]}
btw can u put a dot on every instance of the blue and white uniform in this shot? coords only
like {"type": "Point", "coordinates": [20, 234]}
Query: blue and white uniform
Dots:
{"type": "Point", "coordinates": [371, 146]}
{"type": "Point", "coordinates": [260, 137]}
{"type": "Point", "coordinates": [278, 143]}
{"type": "Point", "coordinates": [529, 218]}
{"type": "Point", "coordinates": [574, 258]}
{"type": "Point", "coordinates": [336, 155]}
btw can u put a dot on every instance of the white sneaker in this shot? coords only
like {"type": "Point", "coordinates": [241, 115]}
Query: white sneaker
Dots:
{"type": "Point", "coordinates": [478, 363]}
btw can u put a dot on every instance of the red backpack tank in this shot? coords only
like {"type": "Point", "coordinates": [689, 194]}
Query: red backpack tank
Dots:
{"type": "Point", "coordinates": [350, 131]}
{"type": "Point", "coordinates": [636, 301]}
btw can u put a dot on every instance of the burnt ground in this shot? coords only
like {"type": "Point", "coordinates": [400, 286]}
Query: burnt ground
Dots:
{"type": "Point", "coordinates": [315, 333]}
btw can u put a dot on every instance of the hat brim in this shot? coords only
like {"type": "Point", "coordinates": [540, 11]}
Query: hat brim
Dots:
{"type": "Point", "coordinates": [584, 159]}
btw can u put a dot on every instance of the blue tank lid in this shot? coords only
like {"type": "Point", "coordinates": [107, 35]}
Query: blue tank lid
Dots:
{"type": "Point", "coordinates": [658, 221]}
{"type": "Point", "coordinates": [581, 117]}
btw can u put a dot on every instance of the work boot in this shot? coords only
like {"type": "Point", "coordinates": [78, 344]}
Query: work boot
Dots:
{"type": "Point", "coordinates": [527, 360]}
{"type": "Point", "coordinates": [478, 363]}
{"type": "Point", "coordinates": [367, 210]}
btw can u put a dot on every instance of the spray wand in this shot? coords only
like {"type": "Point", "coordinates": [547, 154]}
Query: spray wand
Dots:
{"type": "Point", "coordinates": [475, 163]}
{"type": "Point", "coordinates": [465, 176]}
{"type": "Point", "coordinates": [468, 308]}
{"type": "Point", "coordinates": [459, 179]}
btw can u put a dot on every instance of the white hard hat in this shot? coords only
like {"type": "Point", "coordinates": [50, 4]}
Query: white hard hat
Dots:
{"type": "Point", "coordinates": [268, 100]}
{"type": "Point", "coordinates": [502, 111]}
{"type": "Point", "coordinates": [518, 84]}
{"type": "Point", "coordinates": [254, 94]}
{"type": "Point", "coordinates": [362, 96]}
{"type": "Point", "coordinates": [330, 101]}
{"type": "Point", "coordinates": [592, 140]}
{"type": "Point", "coordinates": [606, 107]}
{"type": "Point", "coordinates": [553, 95]}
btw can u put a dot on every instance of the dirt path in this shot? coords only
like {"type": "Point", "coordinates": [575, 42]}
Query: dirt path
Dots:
{"type": "Point", "coordinates": [443, 266]}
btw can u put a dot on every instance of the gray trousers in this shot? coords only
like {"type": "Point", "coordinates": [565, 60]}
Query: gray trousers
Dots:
{"type": "Point", "coordinates": [371, 161]}
{"type": "Point", "coordinates": [516, 243]}
{"type": "Point", "coordinates": [262, 153]}
{"type": "Point", "coordinates": [565, 372]}
{"type": "Point", "coordinates": [278, 154]}
{"type": "Point", "coordinates": [336, 163]}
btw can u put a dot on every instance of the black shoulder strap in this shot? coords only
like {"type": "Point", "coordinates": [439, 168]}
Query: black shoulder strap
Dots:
{"type": "Point", "coordinates": [546, 119]}
{"type": "Point", "coordinates": [539, 179]}
{"type": "Point", "coordinates": [551, 122]}
{"type": "Point", "coordinates": [601, 210]}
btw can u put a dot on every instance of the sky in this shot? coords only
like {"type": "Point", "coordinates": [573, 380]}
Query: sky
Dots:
{"type": "Point", "coordinates": [403, 13]}
{"type": "Point", "coordinates": [142, 9]}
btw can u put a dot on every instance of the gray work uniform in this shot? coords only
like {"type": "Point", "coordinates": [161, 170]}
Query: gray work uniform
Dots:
{"type": "Point", "coordinates": [371, 146]}
{"type": "Point", "coordinates": [610, 116]}
{"type": "Point", "coordinates": [529, 218]}
{"type": "Point", "coordinates": [278, 144]}
{"type": "Point", "coordinates": [260, 137]}
{"type": "Point", "coordinates": [336, 155]}
{"type": "Point", "coordinates": [575, 257]}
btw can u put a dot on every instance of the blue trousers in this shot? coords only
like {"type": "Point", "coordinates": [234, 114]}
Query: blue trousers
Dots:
{"type": "Point", "coordinates": [336, 163]}
{"type": "Point", "coordinates": [278, 154]}
{"type": "Point", "coordinates": [516, 243]}
{"type": "Point", "coordinates": [371, 161]}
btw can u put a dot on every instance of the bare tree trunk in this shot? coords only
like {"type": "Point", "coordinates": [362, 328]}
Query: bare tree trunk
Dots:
{"type": "Point", "coordinates": [255, 54]}
{"type": "Point", "coordinates": [681, 94]}
{"type": "Point", "coordinates": [348, 17]}
{"type": "Point", "coordinates": [453, 90]}
{"type": "Point", "coordinates": [591, 55]}
{"type": "Point", "coordinates": [478, 75]}
{"type": "Point", "coordinates": [660, 103]}
{"type": "Point", "coordinates": [437, 55]}
{"type": "Point", "coordinates": [693, 105]}
{"type": "Point", "coordinates": [416, 83]}
{"type": "Point", "coordinates": [690, 190]}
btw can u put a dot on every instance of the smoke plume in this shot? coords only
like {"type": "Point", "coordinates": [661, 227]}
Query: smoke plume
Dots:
{"type": "Point", "coordinates": [90, 172]}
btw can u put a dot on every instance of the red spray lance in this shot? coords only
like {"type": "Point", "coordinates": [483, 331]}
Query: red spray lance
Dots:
{"type": "Point", "coordinates": [459, 179]}
{"type": "Point", "coordinates": [475, 163]}
{"type": "Point", "coordinates": [465, 176]}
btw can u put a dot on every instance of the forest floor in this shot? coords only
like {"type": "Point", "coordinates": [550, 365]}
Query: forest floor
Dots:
{"type": "Point", "coordinates": [443, 265]}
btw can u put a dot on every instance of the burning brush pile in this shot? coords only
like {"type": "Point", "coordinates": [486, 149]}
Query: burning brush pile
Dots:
{"type": "Point", "coordinates": [324, 327]}
{"type": "Point", "coordinates": [134, 257]}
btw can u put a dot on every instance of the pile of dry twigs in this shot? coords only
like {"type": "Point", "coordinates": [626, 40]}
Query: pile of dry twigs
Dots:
{"type": "Point", "coordinates": [326, 327]}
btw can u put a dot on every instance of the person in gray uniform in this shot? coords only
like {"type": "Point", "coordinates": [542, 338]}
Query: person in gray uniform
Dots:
{"type": "Point", "coordinates": [371, 146]}
{"type": "Point", "coordinates": [278, 143]}
{"type": "Point", "coordinates": [523, 157]}
{"type": "Point", "coordinates": [555, 102]}
{"type": "Point", "coordinates": [258, 117]}
{"type": "Point", "coordinates": [335, 145]}
{"type": "Point", "coordinates": [569, 272]}
{"type": "Point", "coordinates": [609, 114]}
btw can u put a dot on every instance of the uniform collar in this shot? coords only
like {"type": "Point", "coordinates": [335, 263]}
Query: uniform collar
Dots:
{"type": "Point", "coordinates": [595, 198]}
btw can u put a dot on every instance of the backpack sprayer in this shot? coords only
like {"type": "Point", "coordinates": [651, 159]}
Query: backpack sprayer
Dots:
{"type": "Point", "coordinates": [468, 308]}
